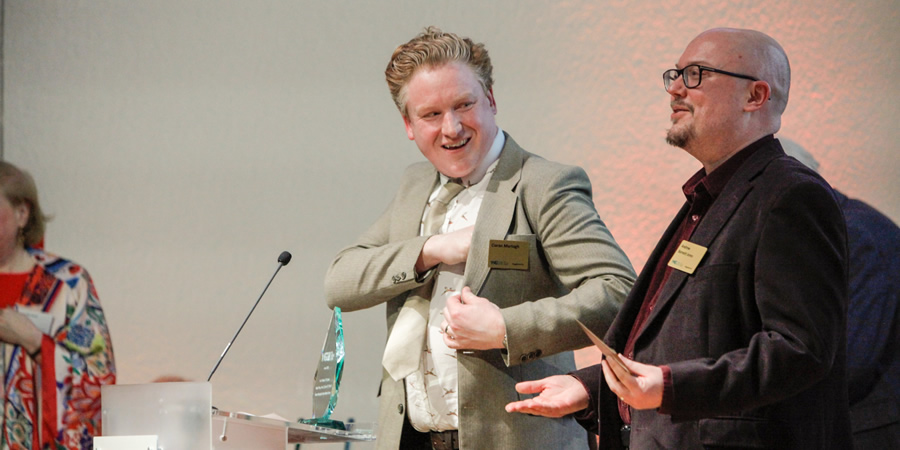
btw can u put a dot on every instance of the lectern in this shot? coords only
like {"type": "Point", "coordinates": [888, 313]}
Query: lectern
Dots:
{"type": "Point", "coordinates": [174, 416]}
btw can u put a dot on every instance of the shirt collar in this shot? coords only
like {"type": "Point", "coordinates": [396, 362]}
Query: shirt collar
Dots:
{"type": "Point", "coordinates": [489, 159]}
{"type": "Point", "coordinates": [715, 182]}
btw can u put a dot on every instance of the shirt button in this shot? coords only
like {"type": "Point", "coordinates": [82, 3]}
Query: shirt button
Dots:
{"type": "Point", "coordinates": [695, 217]}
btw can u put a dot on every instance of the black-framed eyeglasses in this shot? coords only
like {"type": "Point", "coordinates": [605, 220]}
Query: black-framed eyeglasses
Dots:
{"type": "Point", "coordinates": [693, 75]}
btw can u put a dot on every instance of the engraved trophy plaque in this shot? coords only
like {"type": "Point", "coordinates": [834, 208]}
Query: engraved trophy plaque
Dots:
{"type": "Point", "coordinates": [327, 380]}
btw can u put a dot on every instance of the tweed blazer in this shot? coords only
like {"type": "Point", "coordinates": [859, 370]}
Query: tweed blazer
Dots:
{"type": "Point", "coordinates": [755, 337]}
{"type": "Point", "coordinates": [576, 271]}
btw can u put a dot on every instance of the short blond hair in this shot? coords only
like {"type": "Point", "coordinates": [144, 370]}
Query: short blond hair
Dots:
{"type": "Point", "coordinates": [434, 48]}
{"type": "Point", "coordinates": [18, 187]}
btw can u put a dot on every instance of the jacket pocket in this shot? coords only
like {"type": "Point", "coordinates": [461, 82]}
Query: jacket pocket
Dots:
{"type": "Point", "coordinates": [507, 287]}
{"type": "Point", "coordinates": [736, 432]}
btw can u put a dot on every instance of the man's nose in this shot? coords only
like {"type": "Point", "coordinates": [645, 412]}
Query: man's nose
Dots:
{"type": "Point", "coordinates": [676, 87]}
{"type": "Point", "coordinates": [451, 126]}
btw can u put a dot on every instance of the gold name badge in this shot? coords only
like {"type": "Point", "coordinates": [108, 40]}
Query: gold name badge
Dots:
{"type": "Point", "coordinates": [508, 255]}
{"type": "Point", "coordinates": [687, 257]}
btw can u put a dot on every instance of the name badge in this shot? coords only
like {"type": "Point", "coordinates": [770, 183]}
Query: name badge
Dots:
{"type": "Point", "coordinates": [508, 255]}
{"type": "Point", "coordinates": [687, 257]}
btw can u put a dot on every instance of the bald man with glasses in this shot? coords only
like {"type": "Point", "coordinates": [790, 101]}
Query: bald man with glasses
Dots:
{"type": "Point", "coordinates": [734, 333]}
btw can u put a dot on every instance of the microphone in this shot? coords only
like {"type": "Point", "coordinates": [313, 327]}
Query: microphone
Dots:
{"type": "Point", "coordinates": [283, 259]}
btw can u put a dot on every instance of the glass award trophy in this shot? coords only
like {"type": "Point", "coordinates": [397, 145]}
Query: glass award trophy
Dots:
{"type": "Point", "coordinates": [328, 376]}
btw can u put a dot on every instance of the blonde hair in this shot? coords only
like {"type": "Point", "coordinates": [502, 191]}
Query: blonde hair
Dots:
{"type": "Point", "coordinates": [18, 187]}
{"type": "Point", "coordinates": [433, 48]}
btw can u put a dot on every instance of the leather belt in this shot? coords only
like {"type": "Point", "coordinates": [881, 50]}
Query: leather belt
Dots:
{"type": "Point", "coordinates": [444, 440]}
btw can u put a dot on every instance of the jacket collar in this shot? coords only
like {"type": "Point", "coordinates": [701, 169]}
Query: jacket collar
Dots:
{"type": "Point", "coordinates": [718, 215]}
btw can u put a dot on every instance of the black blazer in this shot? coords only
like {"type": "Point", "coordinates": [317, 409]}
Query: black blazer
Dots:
{"type": "Point", "coordinates": [755, 338]}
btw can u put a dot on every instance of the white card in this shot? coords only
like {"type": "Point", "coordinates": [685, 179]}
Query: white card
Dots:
{"type": "Point", "coordinates": [41, 320]}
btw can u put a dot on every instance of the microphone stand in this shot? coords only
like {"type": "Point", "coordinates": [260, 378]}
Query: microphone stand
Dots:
{"type": "Point", "coordinates": [283, 260]}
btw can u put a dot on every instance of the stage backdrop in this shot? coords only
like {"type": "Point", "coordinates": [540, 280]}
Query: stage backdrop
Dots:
{"type": "Point", "coordinates": [181, 146]}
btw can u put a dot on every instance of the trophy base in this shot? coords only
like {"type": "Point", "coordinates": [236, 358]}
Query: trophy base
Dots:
{"type": "Point", "coordinates": [324, 423]}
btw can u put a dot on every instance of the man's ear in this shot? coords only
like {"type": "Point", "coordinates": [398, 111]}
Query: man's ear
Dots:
{"type": "Point", "coordinates": [490, 97]}
{"type": "Point", "coordinates": [409, 130]}
{"type": "Point", "coordinates": [758, 94]}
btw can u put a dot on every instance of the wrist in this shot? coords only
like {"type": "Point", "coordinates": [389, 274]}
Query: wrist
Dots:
{"type": "Point", "coordinates": [426, 258]}
{"type": "Point", "coordinates": [33, 349]}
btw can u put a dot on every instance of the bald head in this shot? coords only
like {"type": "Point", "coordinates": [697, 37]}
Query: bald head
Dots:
{"type": "Point", "coordinates": [737, 97]}
{"type": "Point", "coordinates": [757, 54]}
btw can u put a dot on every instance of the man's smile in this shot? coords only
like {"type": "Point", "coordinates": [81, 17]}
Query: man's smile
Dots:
{"type": "Point", "coordinates": [456, 145]}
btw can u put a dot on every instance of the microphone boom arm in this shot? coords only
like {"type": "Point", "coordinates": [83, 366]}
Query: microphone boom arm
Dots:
{"type": "Point", "coordinates": [283, 260]}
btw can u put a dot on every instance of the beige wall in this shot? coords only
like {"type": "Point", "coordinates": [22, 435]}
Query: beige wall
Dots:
{"type": "Point", "coordinates": [183, 145]}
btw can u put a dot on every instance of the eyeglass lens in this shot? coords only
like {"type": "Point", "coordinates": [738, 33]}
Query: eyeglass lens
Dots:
{"type": "Point", "coordinates": [691, 76]}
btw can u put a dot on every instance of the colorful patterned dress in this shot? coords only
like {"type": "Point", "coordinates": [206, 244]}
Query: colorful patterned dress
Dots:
{"type": "Point", "coordinates": [76, 359]}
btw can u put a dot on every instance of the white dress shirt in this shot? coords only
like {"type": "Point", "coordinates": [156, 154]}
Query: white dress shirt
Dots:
{"type": "Point", "coordinates": [431, 391]}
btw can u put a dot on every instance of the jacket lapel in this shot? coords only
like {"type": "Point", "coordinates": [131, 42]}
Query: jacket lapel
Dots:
{"type": "Point", "coordinates": [408, 217]}
{"type": "Point", "coordinates": [496, 212]}
{"type": "Point", "coordinates": [718, 215]}
{"type": "Point", "coordinates": [632, 306]}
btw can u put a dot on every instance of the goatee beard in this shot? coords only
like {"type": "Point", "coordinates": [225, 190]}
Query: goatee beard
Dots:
{"type": "Point", "coordinates": [679, 138]}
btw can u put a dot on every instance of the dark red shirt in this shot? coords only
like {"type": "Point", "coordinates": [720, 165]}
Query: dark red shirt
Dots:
{"type": "Point", "coordinates": [701, 190]}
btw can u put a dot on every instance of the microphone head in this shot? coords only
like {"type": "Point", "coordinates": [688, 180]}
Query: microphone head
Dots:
{"type": "Point", "coordinates": [284, 258]}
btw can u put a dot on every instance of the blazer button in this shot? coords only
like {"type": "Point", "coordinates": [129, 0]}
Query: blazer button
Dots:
{"type": "Point", "coordinates": [524, 358]}
{"type": "Point", "coordinates": [400, 408]}
{"type": "Point", "coordinates": [537, 354]}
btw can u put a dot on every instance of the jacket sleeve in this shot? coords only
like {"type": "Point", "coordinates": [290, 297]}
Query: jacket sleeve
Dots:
{"type": "Point", "coordinates": [582, 255]}
{"type": "Point", "coordinates": [373, 269]}
{"type": "Point", "coordinates": [80, 357]}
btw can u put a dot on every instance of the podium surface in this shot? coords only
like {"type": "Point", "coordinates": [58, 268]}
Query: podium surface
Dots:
{"type": "Point", "coordinates": [300, 433]}
{"type": "Point", "coordinates": [181, 416]}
